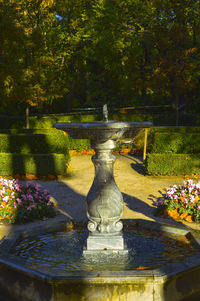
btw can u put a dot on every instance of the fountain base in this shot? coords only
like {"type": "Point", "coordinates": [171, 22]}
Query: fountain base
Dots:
{"type": "Point", "coordinates": [105, 242]}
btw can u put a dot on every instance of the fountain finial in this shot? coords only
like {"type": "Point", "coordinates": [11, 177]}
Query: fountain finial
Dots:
{"type": "Point", "coordinates": [105, 113]}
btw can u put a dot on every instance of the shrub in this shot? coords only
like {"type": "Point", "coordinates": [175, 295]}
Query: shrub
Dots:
{"type": "Point", "coordinates": [79, 144]}
{"type": "Point", "coordinates": [38, 152]}
{"type": "Point", "coordinates": [36, 164]}
{"type": "Point", "coordinates": [163, 139]}
{"type": "Point", "coordinates": [47, 122]}
{"type": "Point", "coordinates": [172, 164]}
{"type": "Point", "coordinates": [34, 143]}
{"type": "Point", "coordinates": [177, 143]}
{"type": "Point", "coordinates": [181, 202]}
{"type": "Point", "coordinates": [20, 203]}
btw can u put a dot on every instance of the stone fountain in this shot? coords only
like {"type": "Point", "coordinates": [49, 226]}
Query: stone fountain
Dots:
{"type": "Point", "coordinates": [49, 262]}
{"type": "Point", "coordinates": [104, 200]}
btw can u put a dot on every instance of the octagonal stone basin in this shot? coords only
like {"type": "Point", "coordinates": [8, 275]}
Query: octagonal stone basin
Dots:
{"type": "Point", "coordinates": [174, 281]}
{"type": "Point", "coordinates": [102, 130]}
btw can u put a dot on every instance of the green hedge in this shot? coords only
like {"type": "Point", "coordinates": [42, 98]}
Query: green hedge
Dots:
{"type": "Point", "coordinates": [39, 152]}
{"type": "Point", "coordinates": [47, 122]}
{"type": "Point", "coordinates": [34, 143]}
{"type": "Point", "coordinates": [175, 129]}
{"type": "Point", "coordinates": [39, 141]}
{"type": "Point", "coordinates": [172, 164]}
{"type": "Point", "coordinates": [79, 144]}
{"type": "Point", "coordinates": [177, 143]}
{"type": "Point", "coordinates": [177, 140]}
{"type": "Point", "coordinates": [37, 164]}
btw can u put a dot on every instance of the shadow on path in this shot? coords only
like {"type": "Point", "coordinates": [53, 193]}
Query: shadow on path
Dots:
{"type": "Point", "coordinates": [137, 163]}
{"type": "Point", "coordinates": [139, 206]}
{"type": "Point", "coordinates": [70, 203]}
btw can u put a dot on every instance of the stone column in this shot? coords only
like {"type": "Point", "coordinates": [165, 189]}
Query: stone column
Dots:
{"type": "Point", "coordinates": [104, 202]}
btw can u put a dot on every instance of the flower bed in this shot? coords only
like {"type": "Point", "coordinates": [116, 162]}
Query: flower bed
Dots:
{"type": "Point", "coordinates": [181, 202]}
{"type": "Point", "coordinates": [20, 203]}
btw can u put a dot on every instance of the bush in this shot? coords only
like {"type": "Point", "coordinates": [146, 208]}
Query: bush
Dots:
{"type": "Point", "coordinates": [20, 203]}
{"type": "Point", "coordinates": [36, 164]}
{"type": "Point", "coordinates": [47, 122]}
{"type": "Point", "coordinates": [24, 143]}
{"type": "Point", "coordinates": [79, 144]}
{"type": "Point", "coordinates": [38, 152]}
{"type": "Point", "coordinates": [172, 164]}
{"type": "Point", "coordinates": [177, 143]}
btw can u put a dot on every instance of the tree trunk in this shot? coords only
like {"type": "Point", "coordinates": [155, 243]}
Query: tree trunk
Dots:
{"type": "Point", "coordinates": [27, 116]}
{"type": "Point", "coordinates": [177, 110]}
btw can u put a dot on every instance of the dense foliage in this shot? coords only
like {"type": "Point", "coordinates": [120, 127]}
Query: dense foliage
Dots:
{"type": "Point", "coordinates": [20, 203]}
{"type": "Point", "coordinates": [62, 54]}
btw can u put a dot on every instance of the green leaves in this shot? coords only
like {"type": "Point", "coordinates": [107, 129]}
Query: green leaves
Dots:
{"type": "Point", "coordinates": [85, 53]}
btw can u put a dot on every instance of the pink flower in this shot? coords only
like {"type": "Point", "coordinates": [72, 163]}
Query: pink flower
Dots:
{"type": "Point", "coordinates": [198, 207]}
{"type": "Point", "coordinates": [185, 201]}
{"type": "Point", "coordinates": [19, 201]}
{"type": "Point", "coordinates": [6, 198]}
{"type": "Point", "coordinates": [192, 199]}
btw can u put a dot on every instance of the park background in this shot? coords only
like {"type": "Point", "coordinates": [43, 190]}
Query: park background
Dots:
{"type": "Point", "coordinates": [60, 56]}
{"type": "Point", "coordinates": [60, 61]}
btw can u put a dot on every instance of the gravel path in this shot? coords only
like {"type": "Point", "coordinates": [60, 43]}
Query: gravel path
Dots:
{"type": "Point", "coordinates": [139, 191]}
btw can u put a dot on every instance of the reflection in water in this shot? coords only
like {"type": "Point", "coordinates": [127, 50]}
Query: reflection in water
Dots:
{"type": "Point", "coordinates": [62, 252]}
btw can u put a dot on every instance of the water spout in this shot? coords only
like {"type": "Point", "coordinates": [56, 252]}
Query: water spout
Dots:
{"type": "Point", "coordinates": [105, 113]}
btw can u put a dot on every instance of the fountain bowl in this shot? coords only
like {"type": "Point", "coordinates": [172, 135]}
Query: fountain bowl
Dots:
{"type": "Point", "coordinates": [102, 130]}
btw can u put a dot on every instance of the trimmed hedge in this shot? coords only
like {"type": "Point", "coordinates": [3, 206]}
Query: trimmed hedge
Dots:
{"type": "Point", "coordinates": [56, 141]}
{"type": "Point", "coordinates": [37, 164]}
{"type": "Point", "coordinates": [173, 151]}
{"type": "Point", "coordinates": [38, 152]}
{"type": "Point", "coordinates": [176, 140]}
{"type": "Point", "coordinates": [47, 122]}
{"type": "Point", "coordinates": [34, 143]}
{"type": "Point", "coordinates": [172, 164]}
{"type": "Point", "coordinates": [79, 144]}
{"type": "Point", "coordinates": [176, 143]}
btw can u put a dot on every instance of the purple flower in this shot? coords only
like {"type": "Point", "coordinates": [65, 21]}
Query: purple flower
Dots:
{"type": "Point", "coordinates": [24, 197]}
{"type": "Point", "coordinates": [49, 203]}
{"type": "Point", "coordinates": [29, 197]}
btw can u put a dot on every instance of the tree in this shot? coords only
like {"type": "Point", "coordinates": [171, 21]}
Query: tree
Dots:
{"type": "Point", "coordinates": [27, 56]}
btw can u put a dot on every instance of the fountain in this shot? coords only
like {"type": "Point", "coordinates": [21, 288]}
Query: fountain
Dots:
{"type": "Point", "coordinates": [104, 200]}
{"type": "Point", "coordinates": [52, 263]}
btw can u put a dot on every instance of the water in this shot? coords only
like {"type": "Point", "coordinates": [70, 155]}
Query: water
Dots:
{"type": "Point", "coordinates": [63, 251]}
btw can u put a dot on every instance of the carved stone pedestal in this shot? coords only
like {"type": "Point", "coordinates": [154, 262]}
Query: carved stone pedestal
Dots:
{"type": "Point", "coordinates": [104, 203]}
